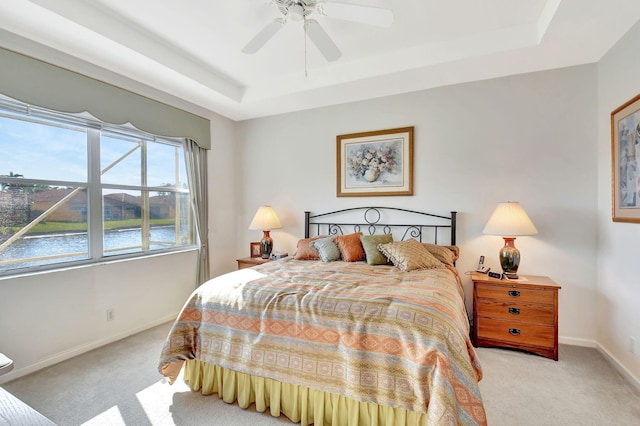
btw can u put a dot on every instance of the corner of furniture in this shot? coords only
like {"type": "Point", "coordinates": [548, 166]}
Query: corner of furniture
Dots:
{"type": "Point", "coordinates": [248, 262]}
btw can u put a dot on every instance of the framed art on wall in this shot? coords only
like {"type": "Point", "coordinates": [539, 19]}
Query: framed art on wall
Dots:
{"type": "Point", "coordinates": [375, 163]}
{"type": "Point", "coordinates": [255, 249]}
{"type": "Point", "coordinates": [625, 160]}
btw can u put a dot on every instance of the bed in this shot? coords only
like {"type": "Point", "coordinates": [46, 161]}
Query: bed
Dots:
{"type": "Point", "coordinates": [377, 336]}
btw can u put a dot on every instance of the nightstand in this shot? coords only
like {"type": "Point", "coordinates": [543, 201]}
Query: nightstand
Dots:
{"type": "Point", "coordinates": [520, 314]}
{"type": "Point", "coordinates": [248, 262]}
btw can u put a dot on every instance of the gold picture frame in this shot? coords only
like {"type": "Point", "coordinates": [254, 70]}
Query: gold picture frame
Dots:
{"type": "Point", "coordinates": [625, 161]}
{"type": "Point", "coordinates": [377, 163]}
{"type": "Point", "coordinates": [255, 249]}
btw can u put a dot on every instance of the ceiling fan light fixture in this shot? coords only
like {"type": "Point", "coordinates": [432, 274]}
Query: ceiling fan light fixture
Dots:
{"type": "Point", "coordinates": [301, 10]}
{"type": "Point", "coordinates": [295, 12]}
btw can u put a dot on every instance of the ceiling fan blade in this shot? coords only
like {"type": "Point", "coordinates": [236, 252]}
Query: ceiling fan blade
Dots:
{"type": "Point", "coordinates": [321, 39]}
{"type": "Point", "coordinates": [264, 36]}
{"type": "Point", "coordinates": [353, 12]}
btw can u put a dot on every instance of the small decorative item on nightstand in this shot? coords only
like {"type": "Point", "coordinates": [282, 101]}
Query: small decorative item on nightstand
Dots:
{"type": "Point", "coordinates": [520, 314]}
{"type": "Point", "coordinates": [255, 250]}
{"type": "Point", "coordinates": [277, 255]}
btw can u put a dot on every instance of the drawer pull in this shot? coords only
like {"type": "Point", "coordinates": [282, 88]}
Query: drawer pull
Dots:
{"type": "Point", "coordinates": [514, 331]}
{"type": "Point", "coordinates": [514, 311]}
{"type": "Point", "coordinates": [514, 293]}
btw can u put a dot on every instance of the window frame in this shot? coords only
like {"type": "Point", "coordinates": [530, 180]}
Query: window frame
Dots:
{"type": "Point", "coordinates": [95, 188]}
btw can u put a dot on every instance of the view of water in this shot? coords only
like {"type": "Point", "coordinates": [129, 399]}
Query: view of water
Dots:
{"type": "Point", "coordinates": [50, 245]}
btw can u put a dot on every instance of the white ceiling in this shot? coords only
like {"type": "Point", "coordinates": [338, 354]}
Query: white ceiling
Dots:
{"type": "Point", "coordinates": [191, 49]}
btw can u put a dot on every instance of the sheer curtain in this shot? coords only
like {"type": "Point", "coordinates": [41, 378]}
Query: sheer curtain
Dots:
{"type": "Point", "coordinates": [196, 158]}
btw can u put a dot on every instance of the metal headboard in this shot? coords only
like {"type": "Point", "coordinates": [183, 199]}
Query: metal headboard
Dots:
{"type": "Point", "coordinates": [370, 222]}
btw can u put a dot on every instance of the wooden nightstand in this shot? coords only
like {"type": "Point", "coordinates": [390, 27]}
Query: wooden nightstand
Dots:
{"type": "Point", "coordinates": [521, 314]}
{"type": "Point", "coordinates": [248, 262]}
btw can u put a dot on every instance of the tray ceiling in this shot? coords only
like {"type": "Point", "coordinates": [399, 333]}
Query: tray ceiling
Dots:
{"type": "Point", "coordinates": [191, 49]}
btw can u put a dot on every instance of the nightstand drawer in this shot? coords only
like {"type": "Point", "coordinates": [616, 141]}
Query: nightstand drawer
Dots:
{"type": "Point", "coordinates": [525, 312]}
{"type": "Point", "coordinates": [515, 294]}
{"type": "Point", "coordinates": [516, 332]}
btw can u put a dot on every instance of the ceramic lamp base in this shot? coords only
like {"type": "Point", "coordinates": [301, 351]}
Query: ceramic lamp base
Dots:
{"type": "Point", "coordinates": [509, 256]}
{"type": "Point", "coordinates": [266, 245]}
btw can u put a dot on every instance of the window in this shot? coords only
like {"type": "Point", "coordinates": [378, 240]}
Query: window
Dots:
{"type": "Point", "coordinates": [75, 190]}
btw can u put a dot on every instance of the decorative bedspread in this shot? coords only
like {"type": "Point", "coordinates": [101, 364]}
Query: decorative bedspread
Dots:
{"type": "Point", "coordinates": [371, 333]}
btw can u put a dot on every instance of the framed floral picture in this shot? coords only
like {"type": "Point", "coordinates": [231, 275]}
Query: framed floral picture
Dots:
{"type": "Point", "coordinates": [625, 160]}
{"type": "Point", "coordinates": [375, 163]}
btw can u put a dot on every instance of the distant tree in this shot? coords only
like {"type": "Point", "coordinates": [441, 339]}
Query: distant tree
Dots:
{"type": "Point", "coordinates": [14, 207]}
{"type": "Point", "coordinates": [6, 187]}
{"type": "Point", "coordinates": [21, 188]}
{"type": "Point", "coordinates": [165, 193]}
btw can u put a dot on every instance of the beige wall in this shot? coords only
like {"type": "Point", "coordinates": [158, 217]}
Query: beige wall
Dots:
{"type": "Point", "coordinates": [225, 181]}
{"type": "Point", "coordinates": [51, 316]}
{"type": "Point", "coordinates": [618, 243]}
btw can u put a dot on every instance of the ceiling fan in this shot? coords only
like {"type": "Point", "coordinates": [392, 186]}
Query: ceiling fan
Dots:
{"type": "Point", "coordinates": [299, 10]}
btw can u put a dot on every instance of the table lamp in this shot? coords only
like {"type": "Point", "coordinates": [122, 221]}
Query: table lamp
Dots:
{"type": "Point", "coordinates": [266, 220]}
{"type": "Point", "coordinates": [509, 220]}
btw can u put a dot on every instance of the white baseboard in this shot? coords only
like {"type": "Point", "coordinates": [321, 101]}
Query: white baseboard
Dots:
{"type": "Point", "coordinates": [633, 380]}
{"type": "Point", "coordinates": [63, 356]}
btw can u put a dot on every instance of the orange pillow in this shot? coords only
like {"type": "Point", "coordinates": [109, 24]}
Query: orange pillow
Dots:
{"type": "Point", "coordinates": [305, 251]}
{"type": "Point", "coordinates": [350, 247]}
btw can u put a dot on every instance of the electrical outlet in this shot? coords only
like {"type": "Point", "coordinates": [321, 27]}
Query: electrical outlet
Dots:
{"type": "Point", "coordinates": [632, 345]}
{"type": "Point", "coordinates": [109, 315]}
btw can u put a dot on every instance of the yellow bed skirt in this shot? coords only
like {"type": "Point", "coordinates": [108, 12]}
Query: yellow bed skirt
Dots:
{"type": "Point", "coordinates": [299, 403]}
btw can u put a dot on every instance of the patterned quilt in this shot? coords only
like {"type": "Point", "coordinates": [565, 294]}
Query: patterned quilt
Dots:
{"type": "Point", "coordinates": [371, 333]}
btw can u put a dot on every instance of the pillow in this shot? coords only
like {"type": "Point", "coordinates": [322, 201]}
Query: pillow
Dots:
{"type": "Point", "coordinates": [350, 247]}
{"type": "Point", "coordinates": [327, 249]}
{"type": "Point", "coordinates": [305, 251]}
{"type": "Point", "coordinates": [409, 255]}
{"type": "Point", "coordinates": [370, 246]}
{"type": "Point", "coordinates": [445, 254]}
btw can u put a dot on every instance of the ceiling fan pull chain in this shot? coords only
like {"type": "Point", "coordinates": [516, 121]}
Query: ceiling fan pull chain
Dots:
{"type": "Point", "coordinates": [305, 47]}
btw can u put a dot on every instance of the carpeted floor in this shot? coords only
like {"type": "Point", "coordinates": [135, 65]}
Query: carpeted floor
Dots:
{"type": "Point", "coordinates": [119, 385]}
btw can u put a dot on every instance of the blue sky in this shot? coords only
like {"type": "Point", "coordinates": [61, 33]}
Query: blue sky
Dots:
{"type": "Point", "coordinates": [62, 157]}
{"type": "Point", "coordinates": [41, 151]}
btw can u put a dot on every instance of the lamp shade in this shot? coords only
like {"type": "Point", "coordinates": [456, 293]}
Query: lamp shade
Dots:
{"type": "Point", "coordinates": [509, 220]}
{"type": "Point", "coordinates": [265, 219]}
